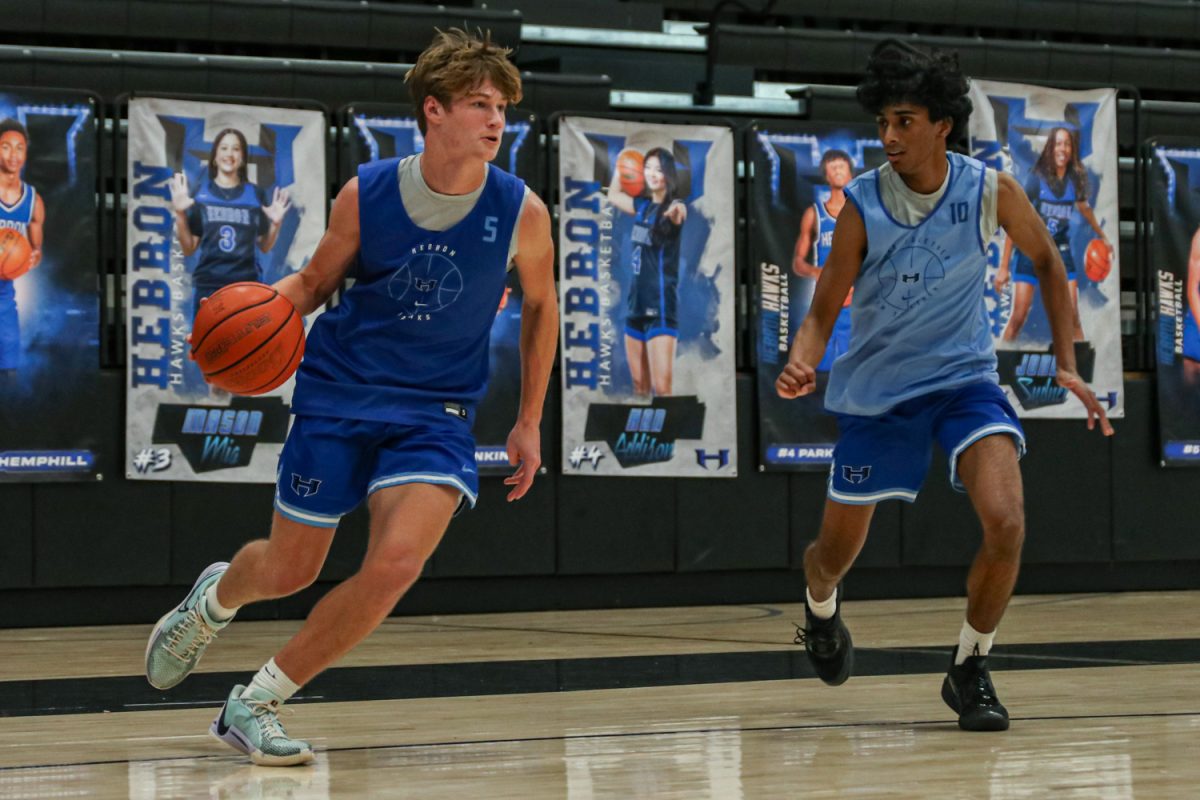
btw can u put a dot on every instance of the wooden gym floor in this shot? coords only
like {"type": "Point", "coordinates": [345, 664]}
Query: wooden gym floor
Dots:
{"type": "Point", "coordinates": [707, 702]}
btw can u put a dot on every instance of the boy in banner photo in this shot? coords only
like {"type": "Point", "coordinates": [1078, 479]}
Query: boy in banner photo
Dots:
{"type": "Point", "coordinates": [647, 254]}
{"type": "Point", "coordinates": [49, 328]}
{"type": "Point", "coordinates": [219, 194]}
{"type": "Point", "coordinates": [799, 176]}
{"type": "Point", "coordinates": [1061, 147]}
{"type": "Point", "coordinates": [22, 210]}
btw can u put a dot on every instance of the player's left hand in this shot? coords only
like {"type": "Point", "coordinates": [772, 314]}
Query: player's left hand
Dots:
{"type": "Point", "coordinates": [525, 450]}
{"type": "Point", "coordinates": [676, 212]}
{"type": "Point", "coordinates": [35, 258]}
{"type": "Point", "coordinates": [1070, 380]}
{"type": "Point", "coordinates": [280, 203]}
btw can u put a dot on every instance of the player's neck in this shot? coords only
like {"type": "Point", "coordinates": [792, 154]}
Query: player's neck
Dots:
{"type": "Point", "coordinates": [659, 195]}
{"type": "Point", "coordinates": [837, 199]}
{"type": "Point", "coordinates": [10, 180]}
{"type": "Point", "coordinates": [227, 181]}
{"type": "Point", "coordinates": [446, 175]}
{"type": "Point", "coordinates": [928, 176]}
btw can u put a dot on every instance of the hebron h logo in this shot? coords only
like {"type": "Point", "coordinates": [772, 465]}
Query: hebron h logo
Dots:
{"type": "Point", "coordinates": [305, 487]}
{"type": "Point", "coordinates": [910, 274]}
{"type": "Point", "coordinates": [856, 474]}
{"type": "Point", "coordinates": [428, 282]}
{"type": "Point", "coordinates": [721, 457]}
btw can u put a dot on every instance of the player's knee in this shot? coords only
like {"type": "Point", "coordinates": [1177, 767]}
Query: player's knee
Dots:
{"type": "Point", "coordinates": [393, 572]}
{"type": "Point", "coordinates": [1003, 536]}
{"type": "Point", "coordinates": [294, 575]}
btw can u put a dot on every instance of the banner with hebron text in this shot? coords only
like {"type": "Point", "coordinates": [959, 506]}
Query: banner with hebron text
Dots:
{"type": "Point", "coordinates": [50, 426]}
{"type": "Point", "coordinates": [390, 131]}
{"type": "Point", "coordinates": [1175, 254]}
{"type": "Point", "coordinates": [1061, 146]}
{"type": "Point", "coordinates": [646, 248]}
{"type": "Point", "coordinates": [796, 185]}
{"type": "Point", "coordinates": [217, 194]}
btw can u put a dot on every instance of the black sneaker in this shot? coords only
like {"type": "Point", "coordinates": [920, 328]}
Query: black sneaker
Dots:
{"type": "Point", "coordinates": [969, 691]}
{"type": "Point", "coordinates": [828, 644]}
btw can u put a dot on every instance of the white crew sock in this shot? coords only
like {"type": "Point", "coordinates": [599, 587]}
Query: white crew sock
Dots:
{"type": "Point", "coordinates": [824, 609]}
{"type": "Point", "coordinates": [216, 611]}
{"type": "Point", "coordinates": [270, 683]}
{"type": "Point", "coordinates": [972, 643]}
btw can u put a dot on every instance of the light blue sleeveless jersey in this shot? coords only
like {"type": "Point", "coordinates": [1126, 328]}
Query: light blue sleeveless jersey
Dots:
{"type": "Point", "coordinates": [919, 323]}
{"type": "Point", "coordinates": [412, 333]}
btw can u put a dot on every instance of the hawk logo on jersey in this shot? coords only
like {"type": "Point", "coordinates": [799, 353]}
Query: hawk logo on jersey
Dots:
{"type": "Point", "coordinates": [427, 283]}
{"type": "Point", "coordinates": [305, 487]}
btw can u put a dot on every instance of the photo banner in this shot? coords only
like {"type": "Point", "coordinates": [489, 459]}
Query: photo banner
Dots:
{"type": "Point", "coordinates": [218, 193]}
{"type": "Point", "coordinates": [381, 132]}
{"type": "Point", "coordinates": [795, 196]}
{"type": "Point", "coordinates": [1175, 256]}
{"type": "Point", "coordinates": [646, 248]}
{"type": "Point", "coordinates": [49, 307]}
{"type": "Point", "coordinates": [1061, 146]}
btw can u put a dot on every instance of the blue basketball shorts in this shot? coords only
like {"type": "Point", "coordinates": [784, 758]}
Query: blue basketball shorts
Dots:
{"type": "Point", "coordinates": [839, 340]}
{"type": "Point", "coordinates": [886, 457]}
{"type": "Point", "coordinates": [1023, 271]}
{"type": "Point", "coordinates": [1191, 336]}
{"type": "Point", "coordinates": [328, 465]}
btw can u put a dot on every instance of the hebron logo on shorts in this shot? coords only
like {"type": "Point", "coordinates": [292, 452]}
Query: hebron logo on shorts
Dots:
{"type": "Point", "coordinates": [305, 487]}
{"type": "Point", "coordinates": [856, 474]}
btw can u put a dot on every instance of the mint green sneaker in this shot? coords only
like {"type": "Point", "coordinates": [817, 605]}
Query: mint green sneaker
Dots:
{"type": "Point", "coordinates": [252, 726]}
{"type": "Point", "coordinates": [183, 634]}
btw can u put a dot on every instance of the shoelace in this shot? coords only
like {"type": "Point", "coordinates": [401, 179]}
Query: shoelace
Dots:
{"type": "Point", "coordinates": [266, 714]}
{"type": "Point", "coordinates": [984, 693]}
{"type": "Point", "coordinates": [203, 636]}
{"type": "Point", "coordinates": [824, 643]}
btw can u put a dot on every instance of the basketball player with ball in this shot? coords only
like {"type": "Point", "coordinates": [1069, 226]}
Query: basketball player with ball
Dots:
{"type": "Point", "coordinates": [912, 242]}
{"type": "Point", "coordinates": [385, 396]}
{"type": "Point", "coordinates": [22, 217]}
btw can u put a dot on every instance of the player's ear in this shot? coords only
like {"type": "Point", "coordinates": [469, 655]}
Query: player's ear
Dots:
{"type": "Point", "coordinates": [433, 109]}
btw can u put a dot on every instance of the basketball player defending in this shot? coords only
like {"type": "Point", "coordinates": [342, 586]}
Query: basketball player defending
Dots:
{"type": "Point", "coordinates": [816, 237]}
{"type": "Point", "coordinates": [22, 209]}
{"type": "Point", "coordinates": [385, 397]}
{"type": "Point", "coordinates": [921, 368]}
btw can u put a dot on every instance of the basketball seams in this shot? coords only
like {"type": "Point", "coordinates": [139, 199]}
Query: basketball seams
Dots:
{"type": "Point", "coordinates": [266, 340]}
{"type": "Point", "coordinates": [283, 373]}
{"type": "Point", "coordinates": [274, 293]}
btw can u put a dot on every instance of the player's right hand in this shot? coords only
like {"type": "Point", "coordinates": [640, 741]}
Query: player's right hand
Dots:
{"type": "Point", "coordinates": [796, 380]}
{"type": "Point", "coordinates": [1001, 280]}
{"type": "Point", "coordinates": [181, 199]}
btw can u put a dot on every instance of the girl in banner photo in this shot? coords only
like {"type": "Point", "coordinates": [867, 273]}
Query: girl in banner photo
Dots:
{"type": "Point", "coordinates": [651, 321]}
{"type": "Point", "coordinates": [1057, 186]}
{"type": "Point", "coordinates": [226, 218]}
{"type": "Point", "coordinates": [1191, 316]}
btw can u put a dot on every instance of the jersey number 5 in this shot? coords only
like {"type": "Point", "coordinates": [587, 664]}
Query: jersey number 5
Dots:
{"type": "Point", "coordinates": [489, 225]}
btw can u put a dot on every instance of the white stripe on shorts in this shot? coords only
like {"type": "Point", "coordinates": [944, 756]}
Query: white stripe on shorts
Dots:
{"type": "Point", "coordinates": [423, 477]}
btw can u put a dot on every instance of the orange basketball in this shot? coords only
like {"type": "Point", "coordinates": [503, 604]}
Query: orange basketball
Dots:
{"type": "Point", "coordinates": [629, 169]}
{"type": "Point", "coordinates": [14, 254]}
{"type": "Point", "coordinates": [1097, 263]}
{"type": "Point", "coordinates": [247, 338]}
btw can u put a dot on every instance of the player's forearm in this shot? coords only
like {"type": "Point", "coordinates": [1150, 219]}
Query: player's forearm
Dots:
{"type": "Point", "coordinates": [539, 341]}
{"type": "Point", "coordinates": [307, 292]}
{"type": "Point", "coordinates": [187, 240]}
{"type": "Point", "coordinates": [267, 240]}
{"type": "Point", "coordinates": [813, 337]}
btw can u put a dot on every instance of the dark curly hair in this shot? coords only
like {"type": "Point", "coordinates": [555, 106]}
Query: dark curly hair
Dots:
{"type": "Point", "coordinates": [898, 72]}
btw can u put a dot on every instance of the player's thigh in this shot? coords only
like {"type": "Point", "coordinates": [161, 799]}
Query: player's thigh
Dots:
{"type": "Point", "coordinates": [409, 520]}
{"type": "Point", "coordinates": [325, 469]}
{"type": "Point", "coordinates": [661, 350]}
{"type": "Point", "coordinates": [299, 548]}
{"type": "Point", "coordinates": [992, 477]}
{"type": "Point", "coordinates": [983, 438]}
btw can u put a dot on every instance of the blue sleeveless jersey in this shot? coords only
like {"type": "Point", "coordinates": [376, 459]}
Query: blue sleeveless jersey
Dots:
{"type": "Point", "coordinates": [17, 216]}
{"type": "Point", "coordinates": [919, 323]}
{"type": "Point", "coordinates": [823, 241]}
{"type": "Point", "coordinates": [228, 222]}
{"type": "Point", "coordinates": [1054, 209]}
{"type": "Point", "coordinates": [412, 333]}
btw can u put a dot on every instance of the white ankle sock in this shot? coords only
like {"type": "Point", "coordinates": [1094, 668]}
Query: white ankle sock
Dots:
{"type": "Point", "coordinates": [270, 683]}
{"type": "Point", "coordinates": [216, 611]}
{"type": "Point", "coordinates": [824, 609]}
{"type": "Point", "coordinates": [972, 643]}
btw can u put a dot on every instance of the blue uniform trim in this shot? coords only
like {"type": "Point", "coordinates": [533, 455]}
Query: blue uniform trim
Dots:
{"type": "Point", "coordinates": [422, 477]}
{"type": "Point", "coordinates": [870, 499]}
{"type": "Point", "coordinates": [306, 517]}
{"type": "Point", "coordinates": [650, 333]}
{"type": "Point", "coordinates": [975, 436]}
{"type": "Point", "coordinates": [931, 214]}
{"type": "Point", "coordinates": [979, 209]}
